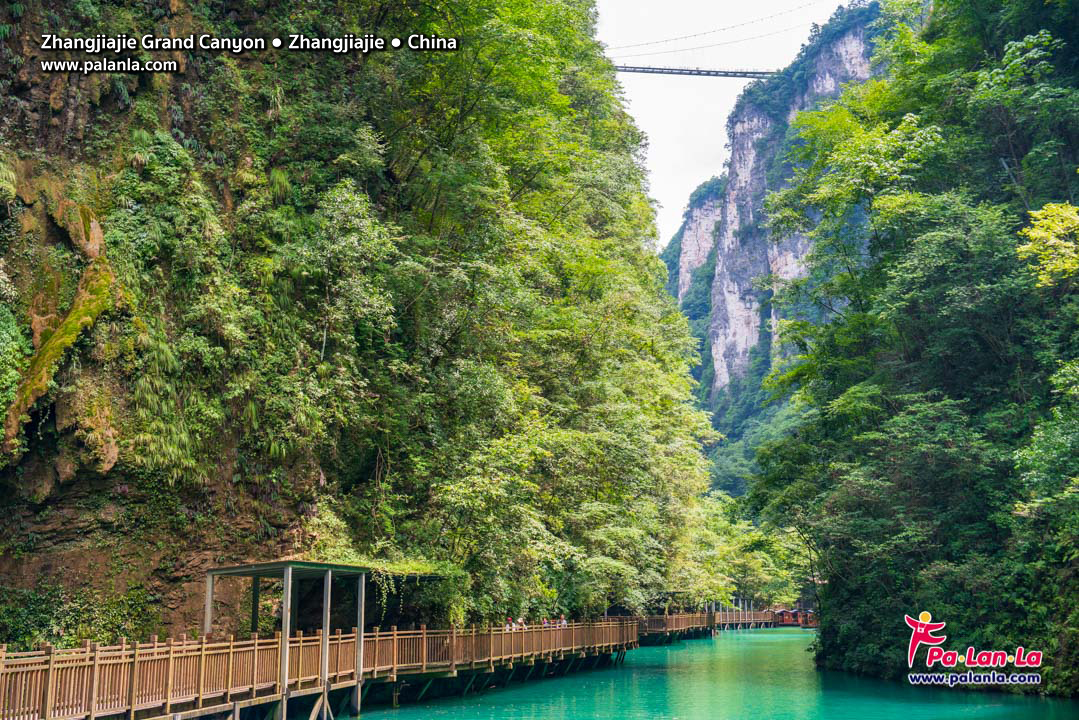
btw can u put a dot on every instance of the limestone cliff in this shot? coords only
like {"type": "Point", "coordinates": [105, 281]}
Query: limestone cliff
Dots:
{"type": "Point", "coordinates": [732, 222]}
{"type": "Point", "coordinates": [724, 265]}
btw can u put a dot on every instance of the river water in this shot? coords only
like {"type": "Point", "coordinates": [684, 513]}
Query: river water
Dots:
{"type": "Point", "coordinates": [745, 675]}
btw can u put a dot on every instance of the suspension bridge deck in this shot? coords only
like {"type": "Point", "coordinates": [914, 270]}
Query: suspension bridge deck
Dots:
{"type": "Point", "coordinates": [650, 70]}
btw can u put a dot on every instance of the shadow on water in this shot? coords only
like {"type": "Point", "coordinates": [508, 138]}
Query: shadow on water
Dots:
{"type": "Point", "coordinates": [747, 675]}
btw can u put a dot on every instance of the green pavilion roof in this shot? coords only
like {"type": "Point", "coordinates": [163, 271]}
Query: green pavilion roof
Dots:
{"type": "Point", "coordinates": [307, 568]}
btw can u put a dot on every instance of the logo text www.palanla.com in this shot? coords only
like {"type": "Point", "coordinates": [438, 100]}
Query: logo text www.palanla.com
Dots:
{"type": "Point", "coordinates": [922, 633]}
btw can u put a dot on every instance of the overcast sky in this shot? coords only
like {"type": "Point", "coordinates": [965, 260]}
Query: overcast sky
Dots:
{"type": "Point", "coordinates": [684, 117]}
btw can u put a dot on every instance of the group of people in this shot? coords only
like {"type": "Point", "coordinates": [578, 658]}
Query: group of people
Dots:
{"type": "Point", "coordinates": [520, 624]}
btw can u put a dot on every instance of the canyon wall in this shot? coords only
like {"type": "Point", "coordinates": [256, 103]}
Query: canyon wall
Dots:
{"type": "Point", "coordinates": [725, 266]}
{"type": "Point", "coordinates": [733, 223]}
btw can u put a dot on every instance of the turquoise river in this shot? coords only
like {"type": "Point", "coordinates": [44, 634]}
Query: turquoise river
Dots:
{"type": "Point", "coordinates": [746, 675]}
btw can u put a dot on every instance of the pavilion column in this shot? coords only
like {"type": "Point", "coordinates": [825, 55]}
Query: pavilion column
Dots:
{"type": "Point", "coordinates": [361, 601]}
{"type": "Point", "coordinates": [324, 667]}
{"type": "Point", "coordinates": [286, 630]}
{"type": "Point", "coordinates": [255, 587]}
{"type": "Point", "coordinates": [208, 608]}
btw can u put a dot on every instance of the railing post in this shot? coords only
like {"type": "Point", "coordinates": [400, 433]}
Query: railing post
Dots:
{"type": "Point", "coordinates": [393, 654]}
{"type": "Point", "coordinates": [91, 700]}
{"type": "Point", "coordinates": [254, 662]}
{"type": "Point", "coordinates": [228, 671]}
{"type": "Point", "coordinates": [374, 665]}
{"type": "Point", "coordinates": [46, 690]}
{"type": "Point", "coordinates": [491, 646]}
{"type": "Point", "coordinates": [299, 659]}
{"type": "Point", "coordinates": [453, 648]}
{"type": "Point", "coordinates": [131, 691]}
{"type": "Point", "coordinates": [472, 648]}
{"type": "Point", "coordinates": [423, 648]}
{"type": "Point", "coordinates": [337, 656]}
{"type": "Point", "coordinates": [202, 669]}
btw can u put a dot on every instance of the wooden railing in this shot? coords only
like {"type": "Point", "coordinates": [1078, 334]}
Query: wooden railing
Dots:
{"type": "Point", "coordinates": [732, 616]}
{"type": "Point", "coordinates": [93, 680]}
{"type": "Point", "coordinates": [674, 623]}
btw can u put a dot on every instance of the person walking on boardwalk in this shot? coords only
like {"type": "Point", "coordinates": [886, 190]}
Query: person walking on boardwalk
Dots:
{"type": "Point", "coordinates": [563, 622]}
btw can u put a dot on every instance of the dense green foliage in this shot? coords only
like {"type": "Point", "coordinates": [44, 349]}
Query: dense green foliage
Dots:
{"type": "Point", "coordinates": [407, 299]}
{"type": "Point", "coordinates": [936, 468]}
{"type": "Point", "coordinates": [53, 614]}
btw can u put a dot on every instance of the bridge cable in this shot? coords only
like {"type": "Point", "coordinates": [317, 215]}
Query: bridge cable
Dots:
{"type": "Point", "coordinates": [722, 29]}
{"type": "Point", "coordinates": [800, 26]}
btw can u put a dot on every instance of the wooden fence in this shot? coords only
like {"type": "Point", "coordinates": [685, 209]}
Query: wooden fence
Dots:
{"type": "Point", "coordinates": [744, 617]}
{"type": "Point", "coordinates": [163, 677]}
{"type": "Point", "coordinates": [675, 623]}
{"type": "Point", "coordinates": [93, 680]}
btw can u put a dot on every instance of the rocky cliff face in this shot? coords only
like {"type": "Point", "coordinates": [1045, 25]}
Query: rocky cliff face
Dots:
{"type": "Point", "coordinates": [698, 238]}
{"type": "Point", "coordinates": [733, 222]}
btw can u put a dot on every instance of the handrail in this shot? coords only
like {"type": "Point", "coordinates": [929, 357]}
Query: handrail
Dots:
{"type": "Point", "coordinates": [98, 680]}
{"type": "Point", "coordinates": [95, 680]}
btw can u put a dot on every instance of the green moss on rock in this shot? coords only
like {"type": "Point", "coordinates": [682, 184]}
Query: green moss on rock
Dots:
{"type": "Point", "coordinates": [92, 298]}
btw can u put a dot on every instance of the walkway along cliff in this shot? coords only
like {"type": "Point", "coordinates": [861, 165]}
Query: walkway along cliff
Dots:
{"type": "Point", "coordinates": [326, 674]}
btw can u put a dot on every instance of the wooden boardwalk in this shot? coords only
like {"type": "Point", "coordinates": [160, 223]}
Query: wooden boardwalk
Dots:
{"type": "Point", "coordinates": [187, 678]}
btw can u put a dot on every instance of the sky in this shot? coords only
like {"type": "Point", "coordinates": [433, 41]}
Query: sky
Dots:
{"type": "Point", "coordinates": [685, 117]}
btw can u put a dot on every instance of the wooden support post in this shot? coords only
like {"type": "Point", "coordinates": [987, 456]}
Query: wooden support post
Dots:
{"type": "Point", "coordinates": [337, 655]}
{"type": "Point", "coordinates": [256, 587]}
{"type": "Point", "coordinates": [453, 648]}
{"type": "Point", "coordinates": [202, 668]}
{"type": "Point", "coordinates": [286, 630]}
{"type": "Point", "coordinates": [361, 601]}
{"type": "Point", "coordinates": [208, 607]}
{"type": "Point", "coordinates": [393, 655]}
{"type": "Point", "coordinates": [324, 645]}
{"type": "Point", "coordinates": [91, 703]}
{"type": "Point", "coordinates": [132, 692]}
{"type": "Point", "coordinates": [374, 666]}
{"type": "Point", "coordinates": [424, 690]}
{"type": "Point", "coordinates": [228, 672]}
{"type": "Point", "coordinates": [47, 688]}
{"type": "Point", "coordinates": [254, 663]}
{"type": "Point", "coordinates": [423, 648]}
{"type": "Point", "coordinates": [468, 687]}
{"type": "Point", "coordinates": [324, 651]}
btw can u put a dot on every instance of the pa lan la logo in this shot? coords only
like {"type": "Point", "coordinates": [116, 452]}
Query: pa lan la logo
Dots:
{"type": "Point", "coordinates": [923, 631]}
